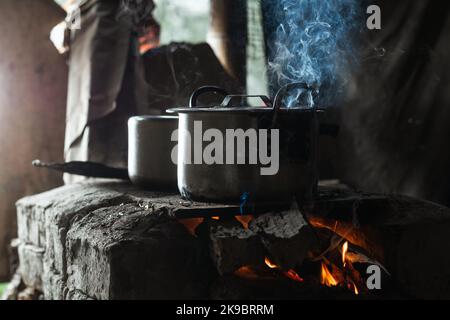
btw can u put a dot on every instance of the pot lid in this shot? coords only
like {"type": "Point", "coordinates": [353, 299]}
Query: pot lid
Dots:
{"type": "Point", "coordinates": [244, 109]}
{"type": "Point", "coordinates": [238, 104]}
{"type": "Point", "coordinates": [144, 118]}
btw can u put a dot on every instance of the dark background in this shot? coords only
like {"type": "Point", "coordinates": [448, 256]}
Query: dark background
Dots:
{"type": "Point", "coordinates": [394, 118]}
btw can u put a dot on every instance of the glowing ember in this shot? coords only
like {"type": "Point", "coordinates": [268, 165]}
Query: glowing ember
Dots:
{"type": "Point", "coordinates": [326, 277]}
{"type": "Point", "coordinates": [344, 252]}
{"type": "Point", "coordinates": [353, 287]}
{"type": "Point", "coordinates": [244, 220]}
{"type": "Point", "coordinates": [270, 264]}
{"type": "Point", "coordinates": [191, 224]}
{"type": "Point", "coordinates": [246, 272]}
{"type": "Point", "coordinates": [215, 218]}
{"type": "Point", "coordinates": [291, 274]}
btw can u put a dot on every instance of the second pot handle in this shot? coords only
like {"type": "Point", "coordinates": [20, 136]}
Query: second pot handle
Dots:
{"type": "Point", "coordinates": [296, 85]}
{"type": "Point", "coordinates": [202, 90]}
{"type": "Point", "coordinates": [282, 93]}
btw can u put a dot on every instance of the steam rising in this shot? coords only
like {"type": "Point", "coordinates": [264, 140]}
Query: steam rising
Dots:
{"type": "Point", "coordinates": [313, 43]}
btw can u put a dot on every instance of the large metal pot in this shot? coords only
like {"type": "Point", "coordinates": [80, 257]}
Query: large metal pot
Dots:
{"type": "Point", "coordinates": [222, 182]}
{"type": "Point", "coordinates": [149, 152]}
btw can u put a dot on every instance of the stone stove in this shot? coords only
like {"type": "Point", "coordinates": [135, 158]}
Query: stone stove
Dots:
{"type": "Point", "coordinates": [109, 240]}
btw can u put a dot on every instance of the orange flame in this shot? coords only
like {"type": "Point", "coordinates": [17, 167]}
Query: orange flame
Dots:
{"type": "Point", "coordinates": [352, 286]}
{"type": "Point", "coordinates": [244, 220]}
{"type": "Point", "coordinates": [344, 252]}
{"type": "Point", "coordinates": [326, 277]}
{"type": "Point", "coordinates": [270, 264]}
{"type": "Point", "coordinates": [215, 218]}
{"type": "Point", "coordinates": [291, 274]}
{"type": "Point", "coordinates": [191, 224]}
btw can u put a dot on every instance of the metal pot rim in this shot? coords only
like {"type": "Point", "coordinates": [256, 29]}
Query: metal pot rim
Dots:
{"type": "Point", "coordinates": [249, 110]}
{"type": "Point", "coordinates": [153, 118]}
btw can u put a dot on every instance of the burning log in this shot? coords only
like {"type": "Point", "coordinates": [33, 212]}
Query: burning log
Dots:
{"type": "Point", "coordinates": [409, 237]}
{"type": "Point", "coordinates": [285, 237]}
{"type": "Point", "coordinates": [232, 246]}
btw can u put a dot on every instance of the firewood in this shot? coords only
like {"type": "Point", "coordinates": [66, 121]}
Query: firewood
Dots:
{"type": "Point", "coordinates": [285, 237]}
{"type": "Point", "coordinates": [409, 237]}
{"type": "Point", "coordinates": [232, 246]}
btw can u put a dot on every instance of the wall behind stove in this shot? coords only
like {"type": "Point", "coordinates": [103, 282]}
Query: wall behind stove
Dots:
{"type": "Point", "coordinates": [396, 125]}
{"type": "Point", "coordinates": [33, 78]}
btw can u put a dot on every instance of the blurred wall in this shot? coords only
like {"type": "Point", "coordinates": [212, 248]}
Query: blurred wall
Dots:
{"type": "Point", "coordinates": [396, 124]}
{"type": "Point", "coordinates": [33, 79]}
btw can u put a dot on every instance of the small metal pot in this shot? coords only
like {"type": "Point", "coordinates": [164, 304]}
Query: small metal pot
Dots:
{"type": "Point", "coordinates": [298, 133]}
{"type": "Point", "coordinates": [149, 152]}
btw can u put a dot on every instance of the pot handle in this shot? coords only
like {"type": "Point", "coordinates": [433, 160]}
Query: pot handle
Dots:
{"type": "Point", "coordinates": [285, 89]}
{"type": "Point", "coordinates": [229, 98]}
{"type": "Point", "coordinates": [202, 90]}
{"type": "Point", "coordinates": [282, 92]}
